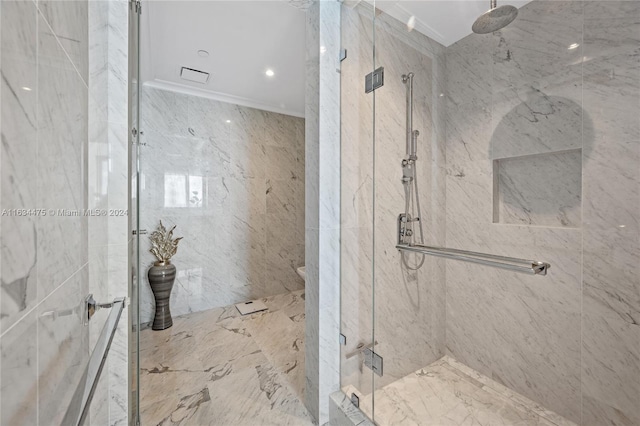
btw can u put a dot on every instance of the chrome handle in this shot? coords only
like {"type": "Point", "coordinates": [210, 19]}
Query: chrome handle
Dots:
{"type": "Point", "coordinates": [140, 232]}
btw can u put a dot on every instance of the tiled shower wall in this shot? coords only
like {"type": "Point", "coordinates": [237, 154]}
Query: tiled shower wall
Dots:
{"type": "Point", "coordinates": [543, 161]}
{"type": "Point", "coordinates": [108, 190]}
{"type": "Point", "coordinates": [57, 139]}
{"type": "Point", "coordinates": [232, 179]}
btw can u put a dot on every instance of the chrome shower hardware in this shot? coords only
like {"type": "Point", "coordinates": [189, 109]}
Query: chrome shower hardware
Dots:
{"type": "Point", "coordinates": [412, 211]}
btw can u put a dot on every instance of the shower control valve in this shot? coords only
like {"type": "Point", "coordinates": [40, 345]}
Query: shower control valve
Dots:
{"type": "Point", "coordinates": [405, 230]}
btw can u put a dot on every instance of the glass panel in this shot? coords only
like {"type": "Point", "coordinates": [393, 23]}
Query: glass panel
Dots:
{"type": "Point", "coordinates": [134, 215]}
{"type": "Point", "coordinates": [528, 147]}
{"type": "Point", "coordinates": [409, 292]}
{"type": "Point", "coordinates": [357, 186]}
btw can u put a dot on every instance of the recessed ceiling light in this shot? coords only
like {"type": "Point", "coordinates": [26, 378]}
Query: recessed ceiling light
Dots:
{"type": "Point", "coordinates": [203, 53]}
{"type": "Point", "coordinates": [28, 89]}
{"type": "Point", "coordinates": [269, 73]}
{"type": "Point", "coordinates": [573, 46]}
{"type": "Point", "coordinates": [228, 121]}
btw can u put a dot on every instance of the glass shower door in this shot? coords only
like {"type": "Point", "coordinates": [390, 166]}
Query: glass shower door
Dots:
{"type": "Point", "coordinates": [134, 213]}
{"type": "Point", "coordinates": [408, 182]}
{"type": "Point", "coordinates": [357, 203]}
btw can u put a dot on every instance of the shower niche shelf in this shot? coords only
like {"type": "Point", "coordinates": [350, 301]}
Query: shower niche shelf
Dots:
{"type": "Point", "coordinates": [539, 190]}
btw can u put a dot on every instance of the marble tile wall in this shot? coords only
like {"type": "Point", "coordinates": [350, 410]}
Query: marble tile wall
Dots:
{"type": "Point", "coordinates": [232, 179]}
{"type": "Point", "coordinates": [563, 79]}
{"type": "Point", "coordinates": [108, 190]}
{"type": "Point", "coordinates": [322, 207]}
{"type": "Point", "coordinates": [55, 155]}
{"type": "Point", "coordinates": [611, 224]}
{"type": "Point", "coordinates": [373, 196]}
{"type": "Point", "coordinates": [119, 263]}
{"type": "Point", "coordinates": [45, 263]}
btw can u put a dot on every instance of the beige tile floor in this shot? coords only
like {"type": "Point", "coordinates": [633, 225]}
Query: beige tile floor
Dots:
{"type": "Point", "coordinates": [448, 393]}
{"type": "Point", "coordinates": [220, 368]}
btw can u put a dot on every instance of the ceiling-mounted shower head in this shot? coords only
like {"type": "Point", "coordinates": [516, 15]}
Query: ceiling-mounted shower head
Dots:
{"type": "Point", "coordinates": [494, 18]}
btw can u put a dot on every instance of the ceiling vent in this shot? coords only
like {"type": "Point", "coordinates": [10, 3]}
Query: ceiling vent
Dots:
{"type": "Point", "coordinates": [194, 75]}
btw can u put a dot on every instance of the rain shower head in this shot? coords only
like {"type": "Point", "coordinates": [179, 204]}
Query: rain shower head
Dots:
{"type": "Point", "coordinates": [494, 18]}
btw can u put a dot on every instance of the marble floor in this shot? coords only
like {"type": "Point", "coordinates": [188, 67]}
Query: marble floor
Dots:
{"type": "Point", "coordinates": [448, 393]}
{"type": "Point", "coordinates": [220, 368]}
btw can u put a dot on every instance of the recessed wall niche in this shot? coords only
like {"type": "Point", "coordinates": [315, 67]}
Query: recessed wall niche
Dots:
{"type": "Point", "coordinates": [540, 189]}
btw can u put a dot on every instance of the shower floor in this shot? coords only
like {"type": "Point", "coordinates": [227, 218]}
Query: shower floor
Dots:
{"type": "Point", "coordinates": [219, 368]}
{"type": "Point", "coordinates": [448, 393]}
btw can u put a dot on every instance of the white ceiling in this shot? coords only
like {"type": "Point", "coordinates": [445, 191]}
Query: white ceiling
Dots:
{"type": "Point", "coordinates": [245, 38]}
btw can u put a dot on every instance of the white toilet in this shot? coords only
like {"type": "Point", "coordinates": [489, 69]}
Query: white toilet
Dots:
{"type": "Point", "coordinates": [300, 271]}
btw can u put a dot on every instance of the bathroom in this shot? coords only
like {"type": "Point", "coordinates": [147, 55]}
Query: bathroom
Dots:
{"type": "Point", "coordinates": [459, 180]}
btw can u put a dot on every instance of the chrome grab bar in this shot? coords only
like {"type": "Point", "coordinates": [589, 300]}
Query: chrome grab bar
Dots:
{"type": "Point", "coordinates": [81, 401]}
{"type": "Point", "coordinates": [532, 267]}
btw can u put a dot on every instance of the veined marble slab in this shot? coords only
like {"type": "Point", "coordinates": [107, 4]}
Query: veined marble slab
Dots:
{"type": "Point", "coordinates": [218, 367]}
{"type": "Point", "coordinates": [448, 392]}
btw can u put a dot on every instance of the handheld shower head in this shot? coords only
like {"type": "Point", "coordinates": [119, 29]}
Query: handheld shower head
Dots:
{"type": "Point", "coordinates": [494, 18]}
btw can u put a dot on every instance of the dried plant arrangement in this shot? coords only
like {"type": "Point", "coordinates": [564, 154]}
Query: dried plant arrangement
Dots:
{"type": "Point", "coordinates": [163, 245]}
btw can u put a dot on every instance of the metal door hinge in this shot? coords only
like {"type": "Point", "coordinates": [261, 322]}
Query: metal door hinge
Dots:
{"type": "Point", "coordinates": [343, 55]}
{"type": "Point", "coordinates": [373, 361]}
{"type": "Point", "coordinates": [374, 80]}
{"type": "Point", "coordinates": [343, 339]}
{"type": "Point", "coordinates": [355, 400]}
{"type": "Point", "coordinates": [136, 6]}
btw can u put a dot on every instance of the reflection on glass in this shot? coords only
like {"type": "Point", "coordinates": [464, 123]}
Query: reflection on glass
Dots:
{"type": "Point", "coordinates": [175, 187]}
{"type": "Point", "coordinates": [183, 190]}
{"type": "Point", "coordinates": [195, 191]}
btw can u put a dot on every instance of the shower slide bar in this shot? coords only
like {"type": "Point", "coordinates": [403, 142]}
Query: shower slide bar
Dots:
{"type": "Point", "coordinates": [81, 401]}
{"type": "Point", "coordinates": [531, 267]}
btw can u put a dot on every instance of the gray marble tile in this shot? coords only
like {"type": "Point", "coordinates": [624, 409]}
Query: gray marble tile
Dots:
{"type": "Point", "coordinates": [69, 21]}
{"type": "Point", "coordinates": [118, 61]}
{"type": "Point", "coordinates": [469, 62]}
{"type": "Point", "coordinates": [544, 309]}
{"type": "Point", "coordinates": [610, 338]}
{"type": "Point", "coordinates": [62, 138]}
{"type": "Point", "coordinates": [19, 377]}
{"type": "Point", "coordinates": [98, 61]}
{"type": "Point", "coordinates": [19, 148]}
{"type": "Point", "coordinates": [543, 190]}
{"type": "Point", "coordinates": [609, 346]}
{"type": "Point", "coordinates": [118, 182]}
{"type": "Point", "coordinates": [612, 70]}
{"type": "Point", "coordinates": [449, 393]}
{"type": "Point", "coordinates": [518, 61]}
{"type": "Point", "coordinates": [62, 347]}
{"type": "Point", "coordinates": [536, 121]}
{"type": "Point", "coordinates": [469, 134]}
{"type": "Point", "coordinates": [213, 180]}
{"type": "Point", "coordinates": [231, 369]}
{"type": "Point", "coordinates": [469, 191]}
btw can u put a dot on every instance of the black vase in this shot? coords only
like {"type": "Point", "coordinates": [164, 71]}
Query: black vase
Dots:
{"type": "Point", "coordinates": [161, 277]}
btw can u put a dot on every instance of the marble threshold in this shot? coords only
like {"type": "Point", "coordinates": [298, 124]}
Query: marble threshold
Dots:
{"type": "Point", "coordinates": [449, 393]}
